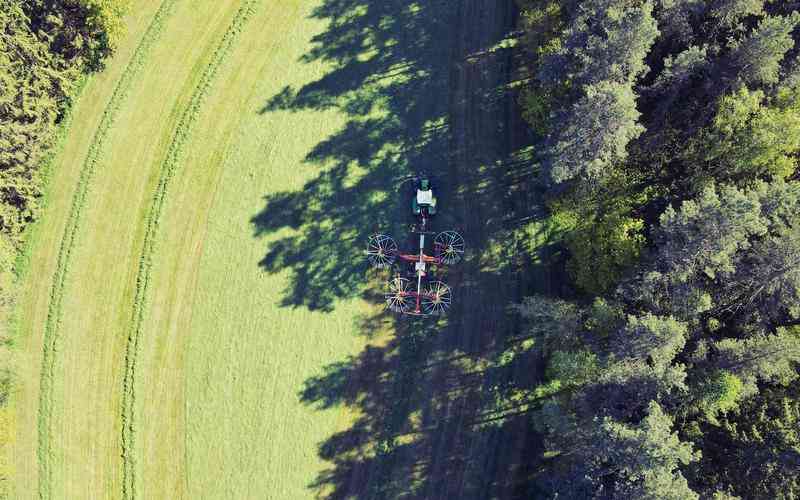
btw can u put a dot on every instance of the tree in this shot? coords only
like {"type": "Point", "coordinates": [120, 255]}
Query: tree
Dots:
{"type": "Point", "coordinates": [676, 77]}
{"type": "Point", "coordinates": [756, 59]}
{"type": "Point", "coordinates": [84, 32]}
{"type": "Point", "coordinates": [752, 137]}
{"type": "Point", "coordinates": [687, 193]}
{"type": "Point", "coordinates": [606, 41]}
{"type": "Point", "coordinates": [675, 19]}
{"type": "Point", "coordinates": [696, 244]}
{"type": "Point", "coordinates": [727, 13]}
{"type": "Point", "coordinates": [646, 457]}
{"type": "Point", "coordinates": [555, 324]}
{"type": "Point", "coordinates": [719, 393]}
{"type": "Point", "coordinates": [767, 358]}
{"type": "Point", "coordinates": [754, 449]}
{"type": "Point", "coordinates": [603, 239]}
{"type": "Point", "coordinates": [35, 86]}
{"type": "Point", "coordinates": [602, 54]}
{"type": "Point", "coordinates": [654, 339]}
{"type": "Point", "coordinates": [43, 47]}
{"type": "Point", "coordinates": [592, 134]}
{"type": "Point", "coordinates": [731, 253]}
{"type": "Point", "coordinates": [606, 457]}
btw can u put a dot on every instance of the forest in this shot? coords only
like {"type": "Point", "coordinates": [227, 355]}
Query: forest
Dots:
{"type": "Point", "coordinates": [668, 135]}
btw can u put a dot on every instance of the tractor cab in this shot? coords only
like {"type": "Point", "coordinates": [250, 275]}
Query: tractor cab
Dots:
{"type": "Point", "coordinates": [424, 199]}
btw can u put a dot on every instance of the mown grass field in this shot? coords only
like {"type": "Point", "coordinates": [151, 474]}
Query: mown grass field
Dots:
{"type": "Point", "coordinates": [196, 318]}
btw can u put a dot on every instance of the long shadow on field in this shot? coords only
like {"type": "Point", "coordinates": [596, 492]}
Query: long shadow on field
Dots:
{"type": "Point", "coordinates": [441, 404]}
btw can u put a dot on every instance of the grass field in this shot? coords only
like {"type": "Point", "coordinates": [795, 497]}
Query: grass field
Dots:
{"type": "Point", "coordinates": [197, 320]}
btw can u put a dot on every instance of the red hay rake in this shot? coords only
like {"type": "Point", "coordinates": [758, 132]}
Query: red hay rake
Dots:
{"type": "Point", "coordinates": [429, 296]}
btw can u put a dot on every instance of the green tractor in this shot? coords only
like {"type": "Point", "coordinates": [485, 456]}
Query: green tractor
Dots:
{"type": "Point", "coordinates": [423, 204]}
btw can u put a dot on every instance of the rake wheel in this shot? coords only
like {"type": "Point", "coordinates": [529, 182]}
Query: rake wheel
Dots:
{"type": "Point", "coordinates": [381, 250]}
{"type": "Point", "coordinates": [449, 247]}
{"type": "Point", "coordinates": [437, 298]}
{"type": "Point", "coordinates": [399, 295]}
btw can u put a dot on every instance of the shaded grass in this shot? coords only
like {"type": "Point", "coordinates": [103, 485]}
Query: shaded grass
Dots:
{"type": "Point", "coordinates": [441, 404]}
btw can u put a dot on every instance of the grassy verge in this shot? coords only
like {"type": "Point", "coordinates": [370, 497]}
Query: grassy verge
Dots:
{"type": "Point", "coordinates": [68, 243]}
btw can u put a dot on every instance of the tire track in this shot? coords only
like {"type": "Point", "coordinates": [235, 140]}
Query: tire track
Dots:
{"type": "Point", "coordinates": [51, 335]}
{"type": "Point", "coordinates": [167, 171]}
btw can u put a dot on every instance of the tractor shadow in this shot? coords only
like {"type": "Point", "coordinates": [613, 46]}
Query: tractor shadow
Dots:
{"type": "Point", "coordinates": [441, 404]}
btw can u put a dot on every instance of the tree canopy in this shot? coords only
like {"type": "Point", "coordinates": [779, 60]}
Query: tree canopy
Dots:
{"type": "Point", "coordinates": [669, 142]}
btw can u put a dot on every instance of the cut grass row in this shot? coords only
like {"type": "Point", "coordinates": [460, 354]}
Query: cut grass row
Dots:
{"type": "Point", "coordinates": [249, 435]}
{"type": "Point", "coordinates": [68, 241]}
{"type": "Point", "coordinates": [173, 158]}
{"type": "Point", "coordinates": [162, 451]}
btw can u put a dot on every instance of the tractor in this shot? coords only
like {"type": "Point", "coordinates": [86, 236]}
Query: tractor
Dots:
{"type": "Point", "coordinates": [416, 292]}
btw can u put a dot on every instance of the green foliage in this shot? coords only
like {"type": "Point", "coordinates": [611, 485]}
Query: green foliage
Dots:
{"type": "Point", "coordinates": [603, 53]}
{"type": "Point", "coordinates": [555, 324]}
{"type": "Point", "coordinates": [752, 137]}
{"type": "Point", "coordinates": [603, 319]}
{"type": "Point", "coordinates": [678, 71]}
{"type": "Point", "coordinates": [591, 135]}
{"type": "Point", "coordinates": [646, 458]}
{"type": "Point", "coordinates": [719, 394]}
{"type": "Point", "coordinates": [653, 338]}
{"type": "Point", "coordinates": [766, 358]}
{"type": "Point", "coordinates": [536, 103]}
{"type": "Point", "coordinates": [732, 252]}
{"type": "Point", "coordinates": [700, 247]}
{"type": "Point", "coordinates": [758, 57]}
{"type": "Point", "coordinates": [602, 455]}
{"type": "Point", "coordinates": [43, 47]}
{"type": "Point", "coordinates": [755, 449]}
{"type": "Point", "coordinates": [585, 77]}
{"type": "Point", "coordinates": [603, 237]}
{"type": "Point", "coordinates": [602, 250]}
{"type": "Point", "coordinates": [727, 13]}
{"type": "Point", "coordinates": [35, 86]}
{"type": "Point", "coordinates": [542, 24]}
{"type": "Point", "coordinates": [84, 32]}
{"type": "Point", "coordinates": [604, 41]}
{"type": "Point", "coordinates": [620, 384]}
{"type": "Point", "coordinates": [105, 18]}
{"type": "Point", "coordinates": [571, 368]}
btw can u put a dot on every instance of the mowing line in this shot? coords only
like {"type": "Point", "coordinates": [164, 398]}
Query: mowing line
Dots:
{"type": "Point", "coordinates": [52, 323]}
{"type": "Point", "coordinates": [167, 171]}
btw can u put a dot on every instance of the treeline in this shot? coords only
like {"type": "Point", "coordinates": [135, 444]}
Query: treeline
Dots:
{"type": "Point", "coordinates": [46, 46]}
{"type": "Point", "coordinates": [669, 139]}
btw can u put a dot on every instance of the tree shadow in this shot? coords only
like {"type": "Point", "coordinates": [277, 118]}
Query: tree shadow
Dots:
{"type": "Point", "coordinates": [390, 84]}
{"type": "Point", "coordinates": [441, 404]}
